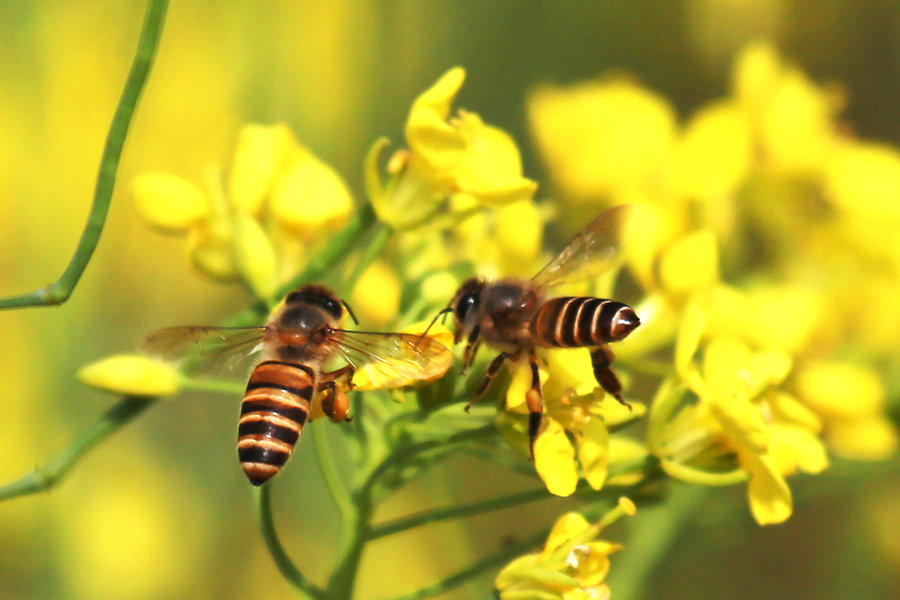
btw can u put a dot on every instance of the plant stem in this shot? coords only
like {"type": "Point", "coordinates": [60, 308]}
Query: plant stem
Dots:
{"type": "Point", "coordinates": [651, 538]}
{"type": "Point", "coordinates": [298, 581]}
{"type": "Point", "coordinates": [453, 512]}
{"type": "Point", "coordinates": [338, 491]}
{"type": "Point", "coordinates": [336, 250]}
{"type": "Point", "coordinates": [383, 233]}
{"type": "Point", "coordinates": [60, 290]}
{"type": "Point", "coordinates": [44, 478]}
{"type": "Point", "coordinates": [477, 568]}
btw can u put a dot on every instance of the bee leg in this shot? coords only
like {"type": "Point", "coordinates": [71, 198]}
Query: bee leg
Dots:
{"type": "Point", "coordinates": [472, 345]}
{"type": "Point", "coordinates": [601, 359]}
{"type": "Point", "coordinates": [334, 401]}
{"type": "Point", "coordinates": [535, 402]}
{"type": "Point", "coordinates": [492, 370]}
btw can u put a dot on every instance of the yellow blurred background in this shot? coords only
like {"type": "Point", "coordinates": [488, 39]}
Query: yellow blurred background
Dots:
{"type": "Point", "coordinates": [161, 510]}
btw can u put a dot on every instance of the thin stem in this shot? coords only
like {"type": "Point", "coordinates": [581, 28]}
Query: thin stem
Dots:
{"type": "Point", "coordinates": [383, 233]}
{"type": "Point", "coordinates": [338, 491]}
{"type": "Point", "coordinates": [44, 478]}
{"type": "Point", "coordinates": [453, 512]}
{"type": "Point", "coordinates": [263, 502]}
{"type": "Point", "coordinates": [651, 538]}
{"type": "Point", "coordinates": [478, 567]}
{"type": "Point", "coordinates": [336, 250]}
{"type": "Point", "coordinates": [60, 290]}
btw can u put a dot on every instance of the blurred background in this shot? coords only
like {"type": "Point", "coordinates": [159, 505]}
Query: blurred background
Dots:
{"type": "Point", "coordinates": [162, 509]}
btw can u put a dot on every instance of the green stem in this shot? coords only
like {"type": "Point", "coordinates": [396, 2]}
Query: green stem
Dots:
{"type": "Point", "coordinates": [478, 567]}
{"type": "Point", "coordinates": [338, 491]}
{"type": "Point", "coordinates": [298, 581]}
{"type": "Point", "coordinates": [336, 250]}
{"type": "Point", "coordinates": [44, 478]}
{"type": "Point", "coordinates": [383, 233]}
{"type": "Point", "coordinates": [651, 538]}
{"type": "Point", "coordinates": [59, 291]}
{"type": "Point", "coordinates": [453, 512]}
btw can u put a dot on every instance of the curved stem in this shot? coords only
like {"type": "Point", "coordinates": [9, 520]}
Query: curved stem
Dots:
{"type": "Point", "coordinates": [60, 290]}
{"type": "Point", "coordinates": [453, 512]}
{"type": "Point", "coordinates": [44, 478]}
{"type": "Point", "coordinates": [263, 501]}
{"type": "Point", "coordinates": [478, 567]}
{"type": "Point", "coordinates": [651, 539]}
{"type": "Point", "coordinates": [383, 233]}
{"type": "Point", "coordinates": [336, 250]}
{"type": "Point", "coordinates": [338, 492]}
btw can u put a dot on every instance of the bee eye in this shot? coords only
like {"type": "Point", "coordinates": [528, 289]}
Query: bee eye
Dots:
{"type": "Point", "coordinates": [466, 303]}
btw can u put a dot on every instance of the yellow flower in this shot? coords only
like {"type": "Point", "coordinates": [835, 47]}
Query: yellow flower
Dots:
{"type": "Point", "coordinates": [446, 156]}
{"type": "Point", "coordinates": [770, 433]}
{"type": "Point", "coordinates": [691, 264]}
{"type": "Point", "coordinates": [573, 563]}
{"type": "Point", "coordinates": [280, 196]}
{"type": "Point", "coordinates": [132, 375]}
{"type": "Point", "coordinates": [573, 405]}
{"type": "Point", "coordinates": [410, 361]}
{"type": "Point", "coordinates": [864, 179]}
{"type": "Point", "coordinates": [604, 137]}
{"type": "Point", "coordinates": [850, 400]}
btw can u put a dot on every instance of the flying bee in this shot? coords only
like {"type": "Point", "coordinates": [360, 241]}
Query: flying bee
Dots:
{"type": "Point", "coordinates": [517, 316]}
{"type": "Point", "coordinates": [292, 349]}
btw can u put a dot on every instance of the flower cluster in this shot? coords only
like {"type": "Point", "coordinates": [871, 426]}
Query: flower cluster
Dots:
{"type": "Point", "coordinates": [754, 237]}
{"type": "Point", "coordinates": [280, 199]}
{"type": "Point", "coordinates": [572, 564]}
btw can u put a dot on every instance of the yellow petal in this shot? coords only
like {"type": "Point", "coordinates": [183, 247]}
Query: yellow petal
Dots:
{"type": "Point", "coordinates": [869, 438]}
{"type": "Point", "coordinates": [592, 440]}
{"type": "Point", "coordinates": [693, 324]}
{"type": "Point", "coordinates": [840, 390]}
{"type": "Point", "coordinates": [649, 228]}
{"type": "Point", "coordinates": [592, 562]}
{"type": "Point", "coordinates": [770, 497]}
{"type": "Point", "coordinates": [520, 384]}
{"type": "Point", "coordinates": [743, 423]}
{"type": "Point", "coordinates": [787, 409]}
{"type": "Point", "coordinates": [491, 167]}
{"type": "Point", "coordinates": [724, 367]}
{"type": "Point", "coordinates": [309, 195]}
{"type": "Point", "coordinates": [564, 529]}
{"type": "Point", "coordinates": [569, 369]}
{"type": "Point", "coordinates": [714, 156]}
{"type": "Point", "coordinates": [409, 361]}
{"type": "Point", "coordinates": [168, 202]}
{"type": "Point", "coordinates": [261, 152]}
{"type": "Point", "coordinates": [554, 460]}
{"type": "Point", "coordinates": [864, 178]}
{"type": "Point", "coordinates": [519, 235]}
{"type": "Point", "coordinates": [793, 447]}
{"type": "Point", "coordinates": [603, 136]}
{"type": "Point", "coordinates": [437, 143]}
{"type": "Point", "coordinates": [255, 256]}
{"type": "Point", "coordinates": [797, 132]}
{"type": "Point", "coordinates": [132, 375]}
{"type": "Point", "coordinates": [691, 263]}
{"type": "Point", "coordinates": [756, 73]}
{"type": "Point", "coordinates": [376, 296]}
{"type": "Point", "coordinates": [212, 249]}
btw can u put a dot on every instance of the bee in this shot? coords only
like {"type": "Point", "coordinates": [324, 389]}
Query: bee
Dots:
{"type": "Point", "coordinates": [518, 316]}
{"type": "Point", "coordinates": [292, 349]}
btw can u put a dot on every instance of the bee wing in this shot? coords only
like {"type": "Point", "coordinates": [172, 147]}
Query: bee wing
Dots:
{"type": "Point", "coordinates": [206, 350]}
{"type": "Point", "coordinates": [391, 360]}
{"type": "Point", "coordinates": [592, 252]}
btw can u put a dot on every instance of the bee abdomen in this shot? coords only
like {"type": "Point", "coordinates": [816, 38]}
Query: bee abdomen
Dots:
{"type": "Point", "coordinates": [582, 321]}
{"type": "Point", "coordinates": [273, 412]}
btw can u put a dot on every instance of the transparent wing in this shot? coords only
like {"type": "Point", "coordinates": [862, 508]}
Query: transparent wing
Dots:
{"type": "Point", "coordinates": [592, 252]}
{"type": "Point", "coordinates": [391, 360]}
{"type": "Point", "coordinates": [206, 350]}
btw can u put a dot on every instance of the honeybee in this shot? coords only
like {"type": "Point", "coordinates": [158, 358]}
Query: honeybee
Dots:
{"type": "Point", "coordinates": [517, 316]}
{"type": "Point", "coordinates": [292, 349]}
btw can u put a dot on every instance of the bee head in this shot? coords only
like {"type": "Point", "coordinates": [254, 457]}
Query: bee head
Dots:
{"type": "Point", "coordinates": [465, 305]}
{"type": "Point", "coordinates": [316, 295]}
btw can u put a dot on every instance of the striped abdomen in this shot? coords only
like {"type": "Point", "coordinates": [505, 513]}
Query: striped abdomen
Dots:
{"type": "Point", "coordinates": [274, 409]}
{"type": "Point", "coordinates": [582, 321]}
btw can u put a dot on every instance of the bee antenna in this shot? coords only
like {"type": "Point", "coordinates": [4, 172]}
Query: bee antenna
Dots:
{"type": "Point", "coordinates": [350, 312]}
{"type": "Point", "coordinates": [443, 312]}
